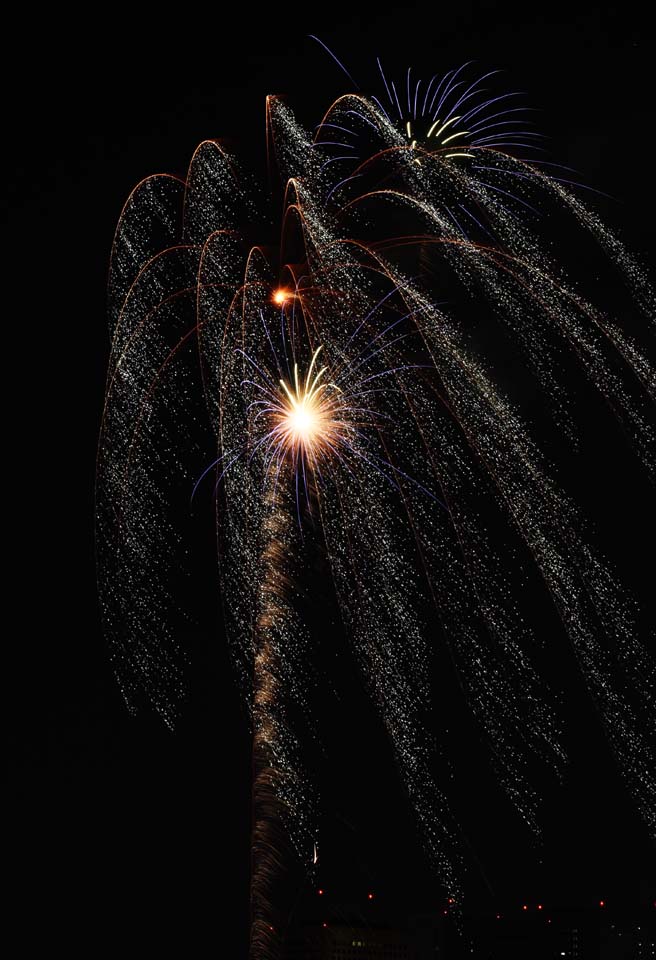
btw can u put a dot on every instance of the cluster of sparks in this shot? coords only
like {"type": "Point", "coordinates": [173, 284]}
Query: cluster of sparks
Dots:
{"type": "Point", "coordinates": [341, 388]}
{"type": "Point", "coordinates": [307, 420]}
{"type": "Point", "coordinates": [432, 118]}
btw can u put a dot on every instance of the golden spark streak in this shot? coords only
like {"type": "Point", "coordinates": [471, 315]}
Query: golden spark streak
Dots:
{"type": "Point", "coordinates": [458, 133]}
{"type": "Point", "coordinates": [311, 367]}
{"type": "Point", "coordinates": [444, 125]}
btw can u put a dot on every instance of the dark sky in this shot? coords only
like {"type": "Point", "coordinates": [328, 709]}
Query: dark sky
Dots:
{"type": "Point", "coordinates": [117, 820]}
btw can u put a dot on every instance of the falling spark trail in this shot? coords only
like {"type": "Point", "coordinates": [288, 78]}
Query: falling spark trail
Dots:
{"type": "Point", "coordinates": [272, 857]}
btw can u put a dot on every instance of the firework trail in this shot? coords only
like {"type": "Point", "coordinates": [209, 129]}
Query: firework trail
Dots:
{"type": "Point", "coordinates": [528, 294]}
{"type": "Point", "coordinates": [342, 392]}
{"type": "Point", "coordinates": [273, 776]}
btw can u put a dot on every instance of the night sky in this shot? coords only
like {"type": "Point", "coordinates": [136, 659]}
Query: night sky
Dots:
{"type": "Point", "coordinates": [125, 831]}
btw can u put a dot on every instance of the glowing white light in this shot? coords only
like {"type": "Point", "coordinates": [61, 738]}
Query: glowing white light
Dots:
{"type": "Point", "coordinates": [302, 422]}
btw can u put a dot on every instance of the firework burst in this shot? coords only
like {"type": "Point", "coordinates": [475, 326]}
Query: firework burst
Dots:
{"type": "Point", "coordinates": [450, 114]}
{"type": "Point", "coordinates": [342, 389]}
{"type": "Point", "coordinates": [307, 422]}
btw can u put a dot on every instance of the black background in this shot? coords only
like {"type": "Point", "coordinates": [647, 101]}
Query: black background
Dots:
{"type": "Point", "coordinates": [122, 829]}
